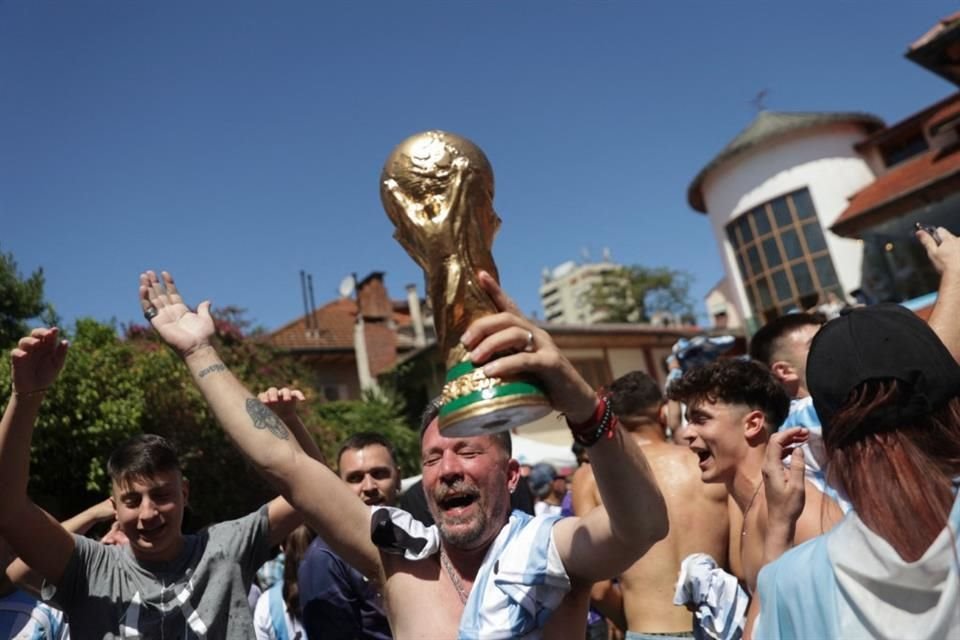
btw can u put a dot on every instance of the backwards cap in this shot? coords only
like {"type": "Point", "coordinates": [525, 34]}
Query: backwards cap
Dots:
{"type": "Point", "coordinates": [881, 342]}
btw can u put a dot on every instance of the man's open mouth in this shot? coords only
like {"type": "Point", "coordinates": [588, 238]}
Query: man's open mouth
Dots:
{"type": "Point", "coordinates": [457, 501]}
{"type": "Point", "coordinates": [703, 455]}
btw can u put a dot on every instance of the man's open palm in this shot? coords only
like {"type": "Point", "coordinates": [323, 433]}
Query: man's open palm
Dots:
{"type": "Point", "coordinates": [181, 328]}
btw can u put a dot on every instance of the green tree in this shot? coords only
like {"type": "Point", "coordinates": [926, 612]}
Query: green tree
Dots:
{"type": "Point", "coordinates": [112, 388]}
{"type": "Point", "coordinates": [21, 299]}
{"type": "Point", "coordinates": [97, 402]}
{"type": "Point", "coordinates": [634, 293]}
{"type": "Point", "coordinates": [381, 413]}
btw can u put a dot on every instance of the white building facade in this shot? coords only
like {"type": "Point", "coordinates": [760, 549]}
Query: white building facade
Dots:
{"type": "Point", "coordinates": [565, 291]}
{"type": "Point", "coordinates": [771, 196]}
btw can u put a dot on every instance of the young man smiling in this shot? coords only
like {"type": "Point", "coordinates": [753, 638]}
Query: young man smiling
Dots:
{"type": "Point", "coordinates": [733, 408]}
{"type": "Point", "coordinates": [164, 583]}
{"type": "Point", "coordinates": [429, 588]}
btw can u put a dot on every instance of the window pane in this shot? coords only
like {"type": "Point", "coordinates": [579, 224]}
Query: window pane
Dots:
{"type": "Point", "coordinates": [791, 244]}
{"type": "Point", "coordinates": [772, 253]}
{"type": "Point", "coordinates": [754, 298]}
{"type": "Point", "coordinates": [802, 278]}
{"type": "Point", "coordinates": [782, 286]}
{"type": "Point", "coordinates": [732, 236]}
{"type": "Point", "coordinates": [781, 212]}
{"type": "Point", "coordinates": [814, 235]}
{"type": "Point", "coordinates": [743, 267]}
{"type": "Point", "coordinates": [765, 301]}
{"type": "Point", "coordinates": [760, 220]}
{"type": "Point", "coordinates": [753, 257]}
{"type": "Point", "coordinates": [824, 267]}
{"type": "Point", "coordinates": [803, 204]}
{"type": "Point", "coordinates": [745, 233]}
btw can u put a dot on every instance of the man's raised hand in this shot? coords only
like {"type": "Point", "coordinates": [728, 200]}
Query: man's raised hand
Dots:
{"type": "Point", "coordinates": [37, 360]}
{"type": "Point", "coordinates": [282, 402]}
{"type": "Point", "coordinates": [943, 255]}
{"type": "Point", "coordinates": [784, 487]}
{"type": "Point", "coordinates": [184, 330]}
{"type": "Point", "coordinates": [531, 350]}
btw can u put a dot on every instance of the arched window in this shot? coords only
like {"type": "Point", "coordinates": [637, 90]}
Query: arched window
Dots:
{"type": "Point", "coordinates": [782, 255]}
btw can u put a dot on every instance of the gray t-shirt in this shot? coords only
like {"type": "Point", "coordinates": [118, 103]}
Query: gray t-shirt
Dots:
{"type": "Point", "coordinates": [106, 593]}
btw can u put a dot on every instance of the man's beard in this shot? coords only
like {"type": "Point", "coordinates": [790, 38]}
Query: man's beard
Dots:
{"type": "Point", "coordinates": [451, 531]}
{"type": "Point", "coordinates": [464, 537]}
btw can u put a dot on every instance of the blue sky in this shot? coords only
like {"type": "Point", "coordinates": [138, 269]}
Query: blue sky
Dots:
{"type": "Point", "coordinates": [235, 143]}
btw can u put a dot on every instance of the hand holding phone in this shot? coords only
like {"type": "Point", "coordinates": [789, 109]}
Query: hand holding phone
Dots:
{"type": "Point", "coordinates": [931, 231]}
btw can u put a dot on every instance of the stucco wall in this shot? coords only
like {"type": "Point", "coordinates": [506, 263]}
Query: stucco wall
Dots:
{"type": "Point", "coordinates": [822, 160]}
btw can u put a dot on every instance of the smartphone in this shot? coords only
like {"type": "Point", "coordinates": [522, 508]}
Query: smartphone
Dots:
{"type": "Point", "coordinates": [931, 231]}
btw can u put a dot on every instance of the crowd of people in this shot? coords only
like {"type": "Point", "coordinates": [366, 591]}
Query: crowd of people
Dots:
{"type": "Point", "coordinates": [806, 491]}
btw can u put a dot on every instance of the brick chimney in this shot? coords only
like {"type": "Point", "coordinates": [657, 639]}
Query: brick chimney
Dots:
{"type": "Point", "coordinates": [372, 298]}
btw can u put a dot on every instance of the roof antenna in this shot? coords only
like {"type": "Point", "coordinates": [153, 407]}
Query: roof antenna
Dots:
{"type": "Point", "coordinates": [759, 101]}
{"type": "Point", "coordinates": [306, 307]}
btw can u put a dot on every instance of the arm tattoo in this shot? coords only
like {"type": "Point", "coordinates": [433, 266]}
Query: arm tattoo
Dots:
{"type": "Point", "coordinates": [211, 369]}
{"type": "Point", "coordinates": [263, 418]}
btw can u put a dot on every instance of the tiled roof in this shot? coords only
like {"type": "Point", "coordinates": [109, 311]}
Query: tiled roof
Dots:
{"type": "Point", "coordinates": [769, 125]}
{"type": "Point", "coordinates": [944, 24]}
{"type": "Point", "coordinates": [334, 322]}
{"type": "Point", "coordinates": [899, 182]}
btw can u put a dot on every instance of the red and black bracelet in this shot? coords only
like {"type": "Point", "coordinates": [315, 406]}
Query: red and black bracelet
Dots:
{"type": "Point", "coordinates": [601, 424]}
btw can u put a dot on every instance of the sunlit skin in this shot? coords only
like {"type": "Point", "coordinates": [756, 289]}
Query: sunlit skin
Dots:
{"type": "Point", "coordinates": [371, 473]}
{"type": "Point", "coordinates": [790, 360]}
{"type": "Point", "coordinates": [150, 514]}
{"type": "Point", "coordinates": [715, 432]}
{"type": "Point", "coordinates": [467, 483]}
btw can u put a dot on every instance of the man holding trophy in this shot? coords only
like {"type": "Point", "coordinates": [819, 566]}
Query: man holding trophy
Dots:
{"type": "Point", "coordinates": [469, 576]}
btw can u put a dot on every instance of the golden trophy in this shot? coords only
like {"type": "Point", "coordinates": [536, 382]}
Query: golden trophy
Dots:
{"type": "Point", "coordinates": [437, 189]}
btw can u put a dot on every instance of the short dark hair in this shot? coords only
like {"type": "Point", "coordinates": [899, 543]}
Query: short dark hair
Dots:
{"type": "Point", "coordinates": [432, 411]}
{"type": "Point", "coordinates": [142, 456]}
{"type": "Point", "coordinates": [766, 341]}
{"type": "Point", "coordinates": [633, 394]}
{"type": "Point", "coordinates": [735, 381]}
{"type": "Point", "coordinates": [364, 439]}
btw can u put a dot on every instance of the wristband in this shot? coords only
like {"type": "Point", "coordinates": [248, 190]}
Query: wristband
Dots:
{"type": "Point", "coordinates": [601, 424]}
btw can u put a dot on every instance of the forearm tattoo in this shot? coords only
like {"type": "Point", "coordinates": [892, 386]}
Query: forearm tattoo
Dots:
{"type": "Point", "coordinates": [212, 369]}
{"type": "Point", "coordinates": [263, 418]}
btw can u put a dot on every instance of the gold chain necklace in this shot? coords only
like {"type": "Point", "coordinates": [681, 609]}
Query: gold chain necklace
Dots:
{"type": "Point", "coordinates": [454, 577]}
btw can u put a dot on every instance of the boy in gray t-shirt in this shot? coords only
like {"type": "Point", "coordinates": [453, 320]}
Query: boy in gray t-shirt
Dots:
{"type": "Point", "coordinates": [203, 593]}
{"type": "Point", "coordinates": [164, 584]}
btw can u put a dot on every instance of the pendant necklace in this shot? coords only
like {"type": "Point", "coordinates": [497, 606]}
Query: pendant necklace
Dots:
{"type": "Point", "coordinates": [743, 525]}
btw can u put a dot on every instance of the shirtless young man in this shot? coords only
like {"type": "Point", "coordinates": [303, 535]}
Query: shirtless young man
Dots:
{"type": "Point", "coordinates": [467, 482]}
{"type": "Point", "coordinates": [733, 407]}
{"type": "Point", "coordinates": [697, 511]}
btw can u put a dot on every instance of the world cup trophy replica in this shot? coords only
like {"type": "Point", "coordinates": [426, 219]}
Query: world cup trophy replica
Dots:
{"type": "Point", "coordinates": [437, 189]}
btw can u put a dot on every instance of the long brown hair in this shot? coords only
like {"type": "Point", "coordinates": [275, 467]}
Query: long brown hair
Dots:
{"type": "Point", "coordinates": [294, 548]}
{"type": "Point", "coordinates": [895, 475]}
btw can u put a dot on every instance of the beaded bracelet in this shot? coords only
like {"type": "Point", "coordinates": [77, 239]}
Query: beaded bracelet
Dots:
{"type": "Point", "coordinates": [600, 424]}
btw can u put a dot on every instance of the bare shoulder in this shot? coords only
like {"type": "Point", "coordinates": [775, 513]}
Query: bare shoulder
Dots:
{"type": "Point", "coordinates": [820, 514]}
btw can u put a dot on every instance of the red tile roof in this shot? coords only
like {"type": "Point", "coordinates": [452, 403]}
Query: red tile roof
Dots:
{"type": "Point", "coordinates": [899, 182]}
{"type": "Point", "coordinates": [334, 322]}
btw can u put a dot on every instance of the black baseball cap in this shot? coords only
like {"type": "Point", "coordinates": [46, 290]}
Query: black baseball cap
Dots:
{"type": "Point", "coordinates": [881, 342]}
